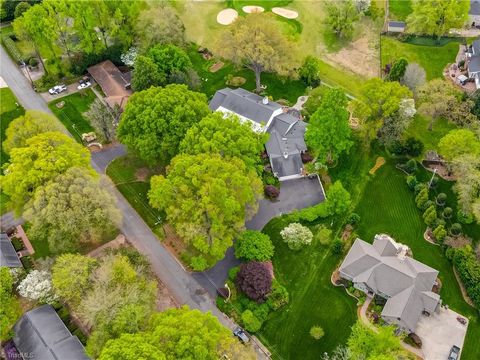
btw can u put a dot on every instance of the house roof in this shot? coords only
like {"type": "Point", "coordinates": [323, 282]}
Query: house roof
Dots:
{"type": "Point", "coordinates": [8, 254]}
{"type": "Point", "coordinates": [244, 103]}
{"type": "Point", "coordinates": [474, 64]}
{"type": "Point", "coordinates": [113, 82]}
{"type": "Point", "coordinates": [406, 282]}
{"type": "Point", "coordinates": [474, 7]}
{"type": "Point", "coordinates": [41, 333]}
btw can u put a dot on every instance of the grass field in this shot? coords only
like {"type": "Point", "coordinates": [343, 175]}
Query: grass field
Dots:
{"type": "Point", "coordinates": [388, 207]}
{"type": "Point", "coordinates": [432, 58]}
{"type": "Point", "coordinates": [400, 9]}
{"type": "Point", "coordinates": [71, 114]}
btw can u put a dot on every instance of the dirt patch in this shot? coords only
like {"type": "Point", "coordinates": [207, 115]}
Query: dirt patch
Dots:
{"type": "Point", "coordinates": [442, 171]}
{"type": "Point", "coordinates": [142, 174]}
{"type": "Point", "coordinates": [164, 299]}
{"type": "Point", "coordinates": [215, 67]}
{"type": "Point", "coordinates": [458, 241]}
{"type": "Point", "coordinates": [347, 232]}
{"type": "Point", "coordinates": [378, 164]}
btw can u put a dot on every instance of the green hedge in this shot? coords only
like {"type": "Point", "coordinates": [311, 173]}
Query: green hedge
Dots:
{"type": "Point", "coordinates": [465, 261]}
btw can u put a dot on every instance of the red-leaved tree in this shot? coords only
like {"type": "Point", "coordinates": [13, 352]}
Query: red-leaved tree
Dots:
{"type": "Point", "coordinates": [255, 280]}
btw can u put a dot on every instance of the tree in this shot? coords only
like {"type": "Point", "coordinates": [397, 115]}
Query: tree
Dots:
{"type": "Point", "coordinates": [398, 70]}
{"type": "Point", "coordinates": [436, 18]}
{"type": "Point", "coordinates": [314, 99]}
{"type": "Point", "coordinates": [226, 136]}
{"type": "Point", "coordinates": [414, 76]}
{"type": "Point", "coordinates": [169, 59]}
{"type": "Point", "coordinates": [146, 74]}
{"type": "Point", "coordinates": [37, 286]}
{"type": "Point", "coordinates": [324, 235]}
{"type": "Point", "coordinates": [250, 321]}
{"type": "Point", "coordinates": [101, 118]}
{"type": "Point", "coordinates": [73, 208]}
{"type": "Point", "coordinates": [255, 280]}
{"type": "Point", "coordinates": [394, 126]}
{"type": "Point", "coordinates": [467, 170]}
{"type": "Point", "coordinates": [317, 332]}
{"type": "Point", "coordinates": [207, 199]}
{"type": "Point", "coordinates": [421, 198]}
{"type": "Point", "coordinates": [132, 347]}
{"type": "Point", "coordinates": [44, 157]}
{"type": "Point", "coordinates": [159, 24]}
{"type": "Point", "coordinates": [338, 199]}
{"type": "Point", "coordinates": [254, 245]}
{"type": "Point", "coordinates": [310, 71]}
{"type": "Point", "coordinates": [341, 17]}
{"type": "Point", "coordinates": [71, 277]}
{"type": "Point", "coordinates": [10, 310]}
{"type": "Point", "coordinates": [440, 233]}
{"type": "Point", "coordinates": [459, 142]}
{"type": "Point", "coordinates": [430, 215]}
{"type": "Point", "coordinates": [256, 42]}
{"type": "Point", "coordinates": [21, 8]}
{"type": "Point", "coordinates": [296, 235]}
{"type": "Point", "coordinates": [32, 123]}
{"type": "Point", "coordinates": [156, 120]}
{"type": "Point", "coordinates": [328, 133]}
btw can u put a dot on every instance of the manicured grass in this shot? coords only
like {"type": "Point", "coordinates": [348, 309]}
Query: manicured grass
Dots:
{"type": "Point", "coordinates": [388, 207]}
{"type": "Point", "coordinates": [313, 301]}
{"type": "Point", "coordinates": [400, 9]}
{"type": "Point", "coordinates": [71, 114]}
{"type": "Point", "coordinates": [432, 58]}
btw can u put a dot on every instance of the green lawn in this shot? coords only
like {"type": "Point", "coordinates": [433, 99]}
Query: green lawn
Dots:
{"type": "Point", "coordinates": [71, 114]}
{"type": "Point", "coordinates": [313, 301]}
{"type": "Point", "coordinates": [432, 58]}
{"type": "Point", "coordinates": [9, 110]}
{"type": "Point", "coordinates": [400, 9]}
{"type": "Point", "coordinates": [388, 207]}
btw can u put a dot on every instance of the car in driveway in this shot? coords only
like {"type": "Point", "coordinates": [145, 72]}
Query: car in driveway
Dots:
{"type": "Point", "coordinates": [454, 353]}
{"type": "Point", "coordinates": [57, 89]}
{"type": "Point", "coordinates": [238, 332]}
{"type": "Point", "coordinates": [84, 84]}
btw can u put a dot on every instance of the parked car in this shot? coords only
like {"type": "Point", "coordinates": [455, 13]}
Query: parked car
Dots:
{"type": "Point", "coordinates": [454, 353]}
{"type": "Point", "coordinates": [57, 89]}
{"type": "Point", "coordinates": [83, 84]}
{"type": "Point", "coordinates": [238, 332]}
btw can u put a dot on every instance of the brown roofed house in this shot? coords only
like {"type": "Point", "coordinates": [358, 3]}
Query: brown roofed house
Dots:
{"type": "Point", "coordinates": [114, 83]}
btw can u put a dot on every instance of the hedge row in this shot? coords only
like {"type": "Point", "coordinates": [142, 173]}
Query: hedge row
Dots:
{"type": "Point", "coordinates": [465, 261]}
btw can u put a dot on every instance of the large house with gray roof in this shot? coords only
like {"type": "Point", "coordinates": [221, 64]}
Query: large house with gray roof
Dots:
{"type": "Point", "coordinates": [286, 143]}
{"type": "Point", "coordinates": [384, 269]}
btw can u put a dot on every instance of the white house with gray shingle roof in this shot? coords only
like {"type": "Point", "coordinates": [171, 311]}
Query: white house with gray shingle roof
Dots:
{"type": "Point", "coordinates": [286, 143]}
{"type": "Point", "coordinates": [384, 269]}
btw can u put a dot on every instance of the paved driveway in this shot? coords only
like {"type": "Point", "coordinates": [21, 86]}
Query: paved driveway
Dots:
{"type": "Point", "coordinates": [294, 194]}
{"type": "Point", "coordinates": [439, 332]}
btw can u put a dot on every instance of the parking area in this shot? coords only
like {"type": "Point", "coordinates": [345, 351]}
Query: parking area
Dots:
{"type": "Point", "coordinates": [439, 332]}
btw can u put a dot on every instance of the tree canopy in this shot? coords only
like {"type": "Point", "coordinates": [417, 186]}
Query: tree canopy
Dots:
{"type": "Point", "coordinates": [32, 123]}
{"type": "Point", "coordinates": [227, 137]}
{"type": "Point", "coordinates": [10, 310]}
{"type": "Point", "coordinates": [146, 74]}
{"type": "Point", "coordinates": [156, 120]}
{"type": "Point", "coordinates": [44, 157]}
{"type": "Point", "coordinates": [254, 245]}
{"type": "Point", "coordinates": [255, 280]}
{"type": "Point", "coordinates": [102, 118]}
{"type": "Point", "coordinates": [328, 133]}
{"type": "Point", "coordinates": [459, 142]}
{"type": "Point", "coordinates": [341, 17]}
{"type": "Point", "coordinates": [207, 199]}
{"type": "Point", "coordinates": [256, 42]}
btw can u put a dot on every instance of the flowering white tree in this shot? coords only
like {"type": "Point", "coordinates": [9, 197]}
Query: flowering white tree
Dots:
{"type": "Point", "coordinates": [296, 235]}
{"type": "Point", "coordinates": [37, 286]}
{"type": "Point", "coordinates": [129, 57]}
{"type": "Point", "coordinates": [362, 5]}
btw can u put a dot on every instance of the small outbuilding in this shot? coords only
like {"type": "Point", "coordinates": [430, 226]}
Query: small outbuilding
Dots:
{"type": "Point", "coordinates": [396, 27]}
{"type": "Point", "coordinates": [8, 254]}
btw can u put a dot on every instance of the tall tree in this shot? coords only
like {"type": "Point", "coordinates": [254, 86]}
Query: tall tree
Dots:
{"type": "Point", "coordinates": [437, 17]}
{"type": "Point", "coordinates": [102, 118]}
{"type": "Point", "coordinates": [207, 199]}
{"type": "Point", "coordinates": [10, 310]}
{"type": "Point", "coordinates": [169, 59]}
{"type": "Point", "coordinates": [32, 123]}
{"type": "Point", "coordinates": [146, 74]}
{"type": "Point", "coordinates": [459, 142]}
{"type": "Point", "coordinates": [227, 137]}
{"type": "Point", "coordinates": [341, 17]}
{"type": "Point", "coordinates": [44, 157]}
{"type": "Point", "coordinates": [256, 42]}
{"type": "Point", "coordinates": [156, 120]}
{"type": "Point", "coordinates": [328, 133]}
{"type": "Point", "coordinates": [467, 170]}
{"type": "Point", "coordinates": [59, 21]}
{"type": "Point", "coordinates": [71, 209]}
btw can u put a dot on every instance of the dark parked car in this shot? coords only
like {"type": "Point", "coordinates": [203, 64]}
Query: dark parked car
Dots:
{"type": "Point", "coordinates": [238, 332]}
{"type": "Point", "coordinates": [454, 353]}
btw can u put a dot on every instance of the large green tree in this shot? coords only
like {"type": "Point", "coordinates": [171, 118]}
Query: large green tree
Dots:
{"type": "Point", "coordinates": [328, 133]}
{"type": "Point", "coordinates": [253, 245]}
{"type": "Point", "coordinates": [44, 157]}
{"type": "Point", "coordinates": [10, 309]}
{"type": "Point", "coordinates": [459, 142]}
{"type": "Point", "coordinates": [156, 120]}
{"type": "Point", "coordinates": [71, 209]}
{"type": "Point", "coordinates": [102, 118]}
{"type": "Point", "coordinates": [341, 16]}
{"type": "Point", "coordinates": [169, 59]}
{"type": "Point", "coordinates": [226, 136]}
{"type": "Point", "coordinates": [256, 42]}
{"type": "Point", "coordinates": [32, 123]}
{"type": "Point", "coordinates": [437, 17]}
{"type": "Point", "coordinates": [132, 347]}
{"type": "Point", "coordinates": [207, 199]}
{"type": "Point", "coordinates": [146, 74]}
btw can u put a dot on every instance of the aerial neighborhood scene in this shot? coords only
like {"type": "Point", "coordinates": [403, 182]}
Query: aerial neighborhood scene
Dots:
{"type": "Point", "coordinates": [240, 179]}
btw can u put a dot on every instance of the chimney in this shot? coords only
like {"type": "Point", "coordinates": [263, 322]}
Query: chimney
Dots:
{"type": "Point", "coordinates": [265, 100]}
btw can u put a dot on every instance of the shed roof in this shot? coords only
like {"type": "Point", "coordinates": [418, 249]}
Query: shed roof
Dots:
{"type": "Point", "coordinates": [8, 254]}
{"type": "Point", "coordinates": [396, 24]}
{"type": "Point", "coordinates": [43, 335]}
{"type": "Point", "coordinates": [474, 7]}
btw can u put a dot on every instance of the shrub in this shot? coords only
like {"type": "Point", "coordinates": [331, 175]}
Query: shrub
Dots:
{"type": "Point", "coordinates": [437, 223]}
{"type": "Point", "coordinates": [456, 229]}
{"type": "Point", "coordinates": [198, 263]}
{"type": "Point", "coordinates": [419, 187]}
{"type": "Point", "coordinates": [316, 332]}
{"type": "Point", "coordinates": [232, 273]}
{"type": "Point", "coordinates": [255, 280]}
{"type": "Point", "coordinates": [411, 166]}
{"type": "Point", "coordinates": [250, 321]}
{"type": "Point", "coordinates": [434, 182]}
{"type": "Point", "coordinates": [33, 62]}
{"type": "Point", "coordinates": [413, 147]}
{"type": "Point", "coordinates": [441, 199]}
{"type": "Point", "coordinates": [278, 297]}
{"type": "Point", "coordinates": [337, 246]}
{"type": "Point", "coordinates": [254, 245]}
{"type": "Point", "coordinates": [447, 212]}
{"type": "Point", "coordinates": [468, 267]}
{"type": "Point", "coordinates": [412, 182]}
{"type": "Point", "coordinates": [37, 286]}
{"type": "Point", "coordinates": [440, 233]}
{"type": "Point", "coordinates": [397, 70]}
{"type": "Point", "coordinates": [310, 71]}
{"type": "Point", "coordinates": [296, 235]}
{"type": "Point", "coordinates": [271, 191]}
{"type": "Point", "coordinates": [430, 215]}
{"type": "Point", "coordinates": [421, 198]}
{"type": "Point", "coordinates": [464, 218]}
{"type": "Point", "coordinates": [353, 219]}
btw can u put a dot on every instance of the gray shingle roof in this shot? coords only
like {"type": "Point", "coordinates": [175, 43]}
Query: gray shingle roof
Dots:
{"type": "Point", "coordinates": [474, 7]}
{"type": "Point", "coordinates": [8, 254]}
{"type": "Point", "coordinates": [396, 24]}
{"type": "Point", "coordinates": [42, 335]}
{"type": "Point", "coordinates": [244, 103]}
{"type": "Point", "coordinates": [474, 64]}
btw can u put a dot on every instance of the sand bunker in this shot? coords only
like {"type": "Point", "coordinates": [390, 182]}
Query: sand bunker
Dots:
{"type": "Point", "coordinates": [227, 16]}
{"type": "Point", "coordinates": [253, 9]}
{"type": "Point", "coordinates": [286, 13]}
